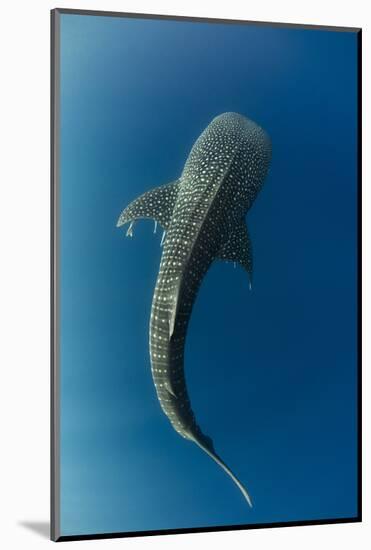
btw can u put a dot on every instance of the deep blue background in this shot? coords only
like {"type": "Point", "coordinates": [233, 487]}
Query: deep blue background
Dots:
{"type": "Point", "coordinates": [272, 372]}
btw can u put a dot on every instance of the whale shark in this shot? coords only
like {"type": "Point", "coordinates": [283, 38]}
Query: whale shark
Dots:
{"type": "Point", "coordinates": [202, 214]}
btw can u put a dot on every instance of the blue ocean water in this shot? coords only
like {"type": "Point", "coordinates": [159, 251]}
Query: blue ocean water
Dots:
{"type": "Point", "coordinates": [271, 372]}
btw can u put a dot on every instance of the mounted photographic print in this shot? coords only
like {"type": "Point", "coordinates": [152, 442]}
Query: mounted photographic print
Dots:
{"type": "Point", "coordinates": [205, 275]}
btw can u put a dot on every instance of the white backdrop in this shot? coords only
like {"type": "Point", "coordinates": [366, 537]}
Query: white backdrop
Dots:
{"type": "Point", "coordinates": [24, 261]}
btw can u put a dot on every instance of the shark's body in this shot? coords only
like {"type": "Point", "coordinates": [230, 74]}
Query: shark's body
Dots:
{"type": "Point", "coordinates": [203, 214]}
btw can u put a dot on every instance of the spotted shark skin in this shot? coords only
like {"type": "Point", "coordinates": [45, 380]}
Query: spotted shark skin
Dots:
{"type": "Point", "coordinates": [203, 217]}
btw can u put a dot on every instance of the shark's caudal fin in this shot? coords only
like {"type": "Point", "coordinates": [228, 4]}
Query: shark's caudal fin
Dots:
{"type": "Point", "coordinates": [237, 248]}
{"type": "Point", "coordinates": [157, 204]}
{"type": "Point", "coordinates": [219, 461]}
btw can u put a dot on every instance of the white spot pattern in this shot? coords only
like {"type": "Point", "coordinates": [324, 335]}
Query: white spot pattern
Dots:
{"type": "Point", "coordinates": [203, 214]}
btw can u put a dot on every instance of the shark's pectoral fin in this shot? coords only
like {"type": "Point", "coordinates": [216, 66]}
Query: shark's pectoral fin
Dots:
{"type": "Point", "coordinates": [237, 248]}
{"type": "Point", "coordinates": [157, 204]}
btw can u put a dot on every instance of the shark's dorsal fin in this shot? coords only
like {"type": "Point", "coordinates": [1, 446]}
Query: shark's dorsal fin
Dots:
{"type": "Point", "coordinates": [237, 248]}
{"type": "Point", "coordinates": [157, 204]}
{"type": "Point", "coordinates": [170, 389]}
{"type": "Point", "coordinates": [174, 308]}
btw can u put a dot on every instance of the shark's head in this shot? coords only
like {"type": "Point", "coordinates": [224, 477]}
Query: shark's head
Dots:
{"type": "Point", "coordinates": [234, 153]}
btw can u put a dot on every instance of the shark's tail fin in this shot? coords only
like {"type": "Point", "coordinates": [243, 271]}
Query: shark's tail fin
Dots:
{"type": "Point", "coordinates": [219, 461]}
